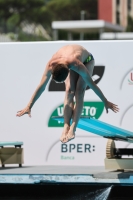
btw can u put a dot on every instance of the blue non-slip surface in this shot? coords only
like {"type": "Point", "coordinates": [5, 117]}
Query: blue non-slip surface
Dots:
{"type": "Point", "coordinates": [6, 143]}
{"type": "Point", "coordinates": [102, 129]}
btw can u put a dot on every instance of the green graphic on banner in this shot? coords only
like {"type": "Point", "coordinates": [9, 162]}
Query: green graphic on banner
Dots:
{"type": "Point", "coordinates": [91, 109]}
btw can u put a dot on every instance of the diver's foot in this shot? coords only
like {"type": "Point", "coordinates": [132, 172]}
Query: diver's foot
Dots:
{"type": "Point", "coordinates": [70, 136]}
{"type": "Point", "coordinates": [63, 137]}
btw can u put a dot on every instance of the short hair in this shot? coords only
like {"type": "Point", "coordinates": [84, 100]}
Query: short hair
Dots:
{"type": "Point", "coordinates": [60, 72]}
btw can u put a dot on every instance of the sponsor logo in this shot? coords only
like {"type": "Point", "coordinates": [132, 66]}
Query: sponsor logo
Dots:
{"type": "Point", "coordinates": [97, 76]}
{"type": "Point", "coordinates": [130, 78]}
{"type": "Point", "coordinates": [91, 109]}
{"type": "Point", "coordinates": [79, 148]}
{"type": "Point", "coordinates": [84, 149]}
{"type": "Point", "coordinates": [127, 79]}
{"type": "Point", "coordinates": [75, 148]}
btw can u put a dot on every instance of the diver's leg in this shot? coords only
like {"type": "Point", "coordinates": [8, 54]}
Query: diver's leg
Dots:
{"type": "Point", "coordinates": [70, 85]}
{"type": "Point", "coordinates": [79, 96]}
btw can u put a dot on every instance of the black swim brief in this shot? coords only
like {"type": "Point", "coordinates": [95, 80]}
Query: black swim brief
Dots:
{"type": "Point", "coordinates": [89, 58]}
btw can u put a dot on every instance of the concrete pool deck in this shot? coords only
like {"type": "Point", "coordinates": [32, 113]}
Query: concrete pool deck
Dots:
{"type": "Point", "coordinates": [64, 174]}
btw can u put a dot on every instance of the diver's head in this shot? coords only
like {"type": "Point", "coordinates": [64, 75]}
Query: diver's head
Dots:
{"type": "Point", "coordinates": [60, 72]}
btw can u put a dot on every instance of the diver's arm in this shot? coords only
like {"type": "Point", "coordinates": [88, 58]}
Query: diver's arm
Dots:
{"type": "Point", "coordinates": [39, 90]}
{"type": "Point", "coordinates": [79, 67]}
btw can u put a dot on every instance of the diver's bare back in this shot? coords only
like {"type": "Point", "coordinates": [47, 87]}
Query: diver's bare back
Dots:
{"type": "Point", "coordinates": [75, 51]}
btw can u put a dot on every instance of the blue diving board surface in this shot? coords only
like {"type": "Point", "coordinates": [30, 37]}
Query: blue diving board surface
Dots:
{"type": "Point", "coordinates": [16, 144]}
{"type": "Point", "coordinates": [102, 129]}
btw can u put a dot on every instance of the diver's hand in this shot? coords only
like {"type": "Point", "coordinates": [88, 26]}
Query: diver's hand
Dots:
{"type": "Point", "coordinates": [26, 110]}
{"type": "Point", "coordinates": [113, 107]}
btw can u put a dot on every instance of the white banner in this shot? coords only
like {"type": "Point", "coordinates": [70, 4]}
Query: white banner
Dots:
{"type": "Point", "coordinates": [21, 69]}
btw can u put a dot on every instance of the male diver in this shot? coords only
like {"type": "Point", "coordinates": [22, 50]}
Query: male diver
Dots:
{"type": "Point", "coordinates": [74, 65]}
